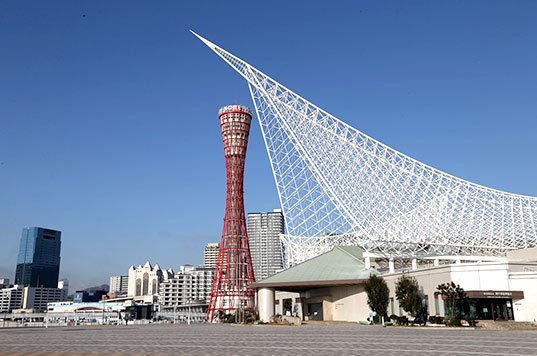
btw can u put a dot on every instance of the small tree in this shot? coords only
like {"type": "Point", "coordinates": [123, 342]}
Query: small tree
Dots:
{"type": "Point", "coordinates": [408, 294]}
{"type": "Point", "coordinates": [451, 292]}
{"type": "Point", "coordinates": [378, 295]}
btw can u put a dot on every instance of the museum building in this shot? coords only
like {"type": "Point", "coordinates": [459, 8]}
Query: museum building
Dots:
{"type": "Point", "coordinates": [330, 286]}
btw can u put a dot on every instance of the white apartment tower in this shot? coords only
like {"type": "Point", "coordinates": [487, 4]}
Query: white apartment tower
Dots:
{"type": "Point", "coordinates": [264, 231]}
{"type": "Point", "coordinates": [210, 255]}
{"type": "Point", "coordinates": [119, 284]}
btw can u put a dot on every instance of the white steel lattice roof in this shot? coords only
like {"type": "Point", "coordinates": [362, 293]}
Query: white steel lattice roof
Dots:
{"type": "Point", "coordinates": [338, 186]}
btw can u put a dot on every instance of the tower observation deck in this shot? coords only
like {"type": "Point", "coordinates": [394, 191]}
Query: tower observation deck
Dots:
{"type": "Point", "coordinates": [338, 186]}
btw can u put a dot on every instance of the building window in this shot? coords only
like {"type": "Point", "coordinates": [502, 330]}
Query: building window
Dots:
{"type": "Point", "coordinates": [138, 287]}
{"type": "Point", "coordinates": [287, 306]}
{"type": "Point", "coordinates": [154, 287]}
{"type": "Point", "coordinates": [392, 305]}
{"type": "Point", "coordinates": [145, 286]}
{"type": "Point", "coordinates": [436, 304]}
{"type": "Point", "coordinates": [426, 300]}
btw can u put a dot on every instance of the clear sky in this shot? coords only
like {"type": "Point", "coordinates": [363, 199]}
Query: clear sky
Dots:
{"type": "Point", "coordinates": [108, 109]}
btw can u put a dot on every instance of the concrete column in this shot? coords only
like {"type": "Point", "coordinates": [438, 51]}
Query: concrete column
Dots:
{"type": "Point", "coordinates": [266, 297]}
{"type": "Point", "coordinates": [414, 264]}
{"type": "Point", "coordinates": [367, 262]}
{"type": "Point", "coordinates": [391, 265]}
{"type": "Point", "coordinates": [436, 262]}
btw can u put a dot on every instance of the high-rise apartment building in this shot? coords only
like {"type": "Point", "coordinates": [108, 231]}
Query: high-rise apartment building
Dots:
{"type": "Point", "coordinates": [38, 262]}
{"type": "Point", "coordinates": [264, 231]}
{"type": "Point", "coordinates": [210, 255]}
{"type": "Point", "coordinates": [119, 284]}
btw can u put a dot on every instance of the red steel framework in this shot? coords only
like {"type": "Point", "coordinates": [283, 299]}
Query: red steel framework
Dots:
{"type": "Point", "coordinates": [234, 270]}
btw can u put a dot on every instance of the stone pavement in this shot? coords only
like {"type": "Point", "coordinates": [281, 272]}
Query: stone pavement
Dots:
{"type": "Point", "coordinates": [337, 340]}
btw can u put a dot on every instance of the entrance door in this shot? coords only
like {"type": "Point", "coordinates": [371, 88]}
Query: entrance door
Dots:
{"type": "Point", "coordinates": [502, 309]}
{"type": "Point", "coordinates": [316, 311]}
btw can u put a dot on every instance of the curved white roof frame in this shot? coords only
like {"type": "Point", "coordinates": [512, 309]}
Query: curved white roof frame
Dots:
{"type": "Point", "coordinates": [338, 186]}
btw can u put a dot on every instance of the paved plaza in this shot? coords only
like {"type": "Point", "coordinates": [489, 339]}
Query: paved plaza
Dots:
{"type": "Point", "coordinates": [338, 339]}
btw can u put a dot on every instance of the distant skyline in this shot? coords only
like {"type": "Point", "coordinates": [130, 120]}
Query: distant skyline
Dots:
{"type": "Point", "coordinates": [109, 110]}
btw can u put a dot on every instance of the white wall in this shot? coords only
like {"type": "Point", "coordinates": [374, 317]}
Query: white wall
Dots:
{"type": "Point", "coordinates": [481, 276]}
{"type": "Point", "coordinates": [349, 303]}
{"type": "Point", "coordinates": [525, 309]}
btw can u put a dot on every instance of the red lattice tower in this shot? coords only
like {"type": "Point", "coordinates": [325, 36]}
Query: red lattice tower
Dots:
{"type": "Point", "coordinates": [234, 270]}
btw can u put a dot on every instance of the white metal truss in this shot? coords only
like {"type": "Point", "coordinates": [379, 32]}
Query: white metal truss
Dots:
{"type": "Point", "coordinates": [338, 186]}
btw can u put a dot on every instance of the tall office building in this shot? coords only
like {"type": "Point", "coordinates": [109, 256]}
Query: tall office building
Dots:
{"type": "Point", "coordinates": [264, 231]}
{"type": "Point", "coordinates": [38, 263]}
{"type": "Point", "coordinates": [210, 255]}
{"type": "Point", "coordinates": [119, 284]}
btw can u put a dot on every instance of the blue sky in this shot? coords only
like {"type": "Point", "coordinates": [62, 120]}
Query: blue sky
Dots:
{"type": "Point", "coordinates": [108, 110]}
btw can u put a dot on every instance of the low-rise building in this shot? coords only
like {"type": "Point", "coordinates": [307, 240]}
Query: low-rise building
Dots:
{"type": "Point", "coordinates": [11, 298]}
{"type": "Point", "coordinates": [74, 307]}
{"type": "Point", "coordinates": [36, 298]}
{"type": "Point", "coordinates": [330, 286]}
{"type": "Point", "coordinates": [82, 296]}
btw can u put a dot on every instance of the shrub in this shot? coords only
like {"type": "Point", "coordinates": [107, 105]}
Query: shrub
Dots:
{"type": "Point", "coordinates": [436, 319]}
{"type": "Point", "coordinates": [401, 320]}
{"type": "Point", "coordinates": [472, 322]}
{"type": "Point", "coordinates": [454, 322]}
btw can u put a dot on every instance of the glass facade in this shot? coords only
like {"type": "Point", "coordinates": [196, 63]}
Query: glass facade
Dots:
{"type": "Point", "coordinates": [483, 309]}
{"type": "Point", "coordinates": [38, 262]}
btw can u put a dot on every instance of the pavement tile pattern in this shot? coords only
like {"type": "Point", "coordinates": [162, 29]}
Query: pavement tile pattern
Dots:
{"type": "Point", "coordinates": [205, 339]}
